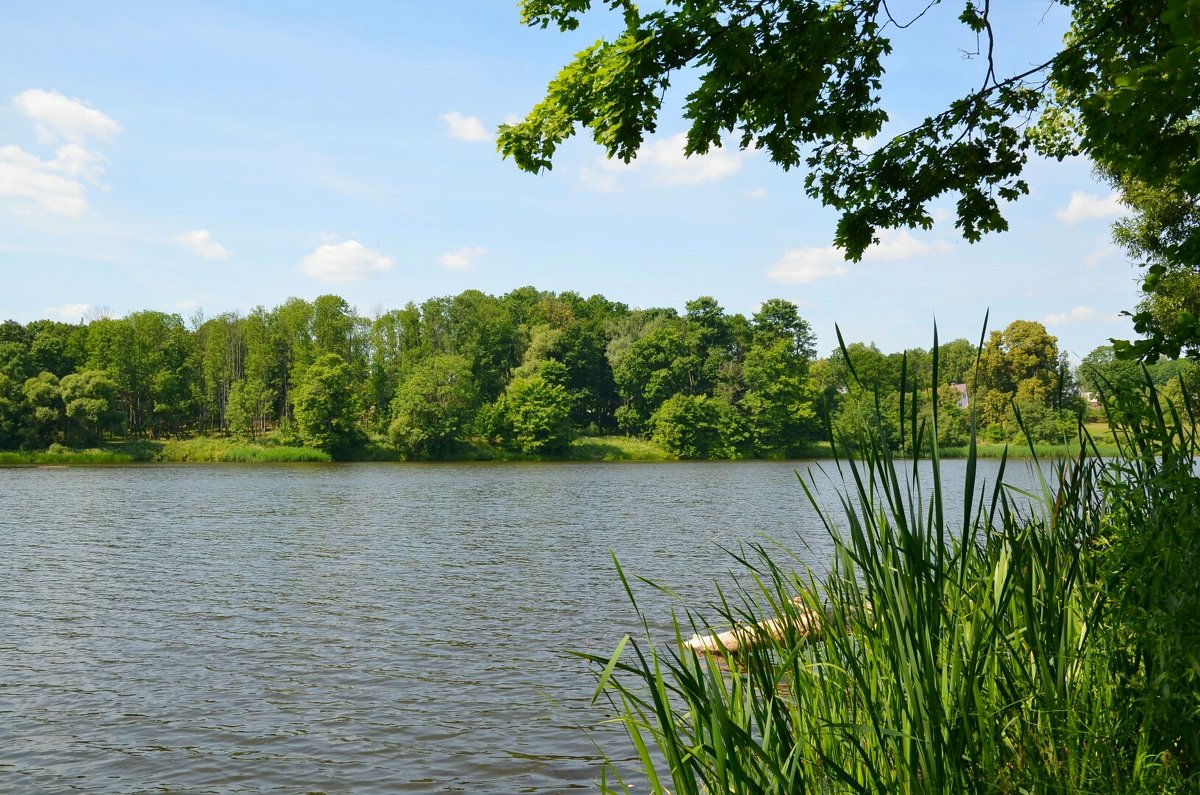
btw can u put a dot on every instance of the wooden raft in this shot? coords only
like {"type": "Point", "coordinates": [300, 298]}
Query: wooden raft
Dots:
{"type": "Point", "coordinates": [805, 622]}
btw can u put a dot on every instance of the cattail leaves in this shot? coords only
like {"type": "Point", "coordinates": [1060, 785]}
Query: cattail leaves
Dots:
{"type": "Point", "coordinates": [999, 653]}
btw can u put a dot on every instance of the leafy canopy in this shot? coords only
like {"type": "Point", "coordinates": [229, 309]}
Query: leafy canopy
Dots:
{"type": "Point", "coordinates": [326, 407]}
{"type": "Point", "coordinates": [804, 80]}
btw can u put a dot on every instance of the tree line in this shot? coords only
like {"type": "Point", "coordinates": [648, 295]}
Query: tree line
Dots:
{"type": "Point", "coordinates": [526, 371]}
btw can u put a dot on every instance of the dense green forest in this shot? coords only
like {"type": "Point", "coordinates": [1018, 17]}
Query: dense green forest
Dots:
{"type": "Point", "coordinates": [524, 372]}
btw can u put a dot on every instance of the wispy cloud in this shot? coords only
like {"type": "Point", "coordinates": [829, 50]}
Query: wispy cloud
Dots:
{"type": "Point", "coordinates": [465, 128]}
{"type": "Point", "coordinates": [804, 265]}
{"type": "Point", "coordinates": [1078, 314]}
{"type": "Point", "coordinates": [662, 162]}
{"type": "Point", "coordinates": [668, 165]}
{"type": "Point", "coordinates": [71, 313]}
{"type": "Point", "coordinates": [201, 243]}
{"type": "Point", "coordinates": [59, 184]}
{"type": "Point", "coordinates": [602, 179]}
{"type": "Point", "coordinates": [344, 262]}
{"type": "Point", "coordinates": [1087, 207]}
{"type": "Point", "coordinates": [900, 244]}
{"type": "Point", "coordinates": [464, 259]}
{"type": "Point", "coordinates": [61, 118]}
{"type": "Point", "coordinates": [1097, 257]}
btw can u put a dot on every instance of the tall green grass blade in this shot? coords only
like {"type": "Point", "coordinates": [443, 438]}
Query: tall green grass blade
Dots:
{"type": "Point", "coordinates": [995, 655]}
{"type": "Point", "coordinates": [606, 674]}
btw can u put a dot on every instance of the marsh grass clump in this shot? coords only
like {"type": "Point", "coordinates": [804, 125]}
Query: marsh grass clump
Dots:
{"type": "Point", "coordinates": [257, 453]}
{"type": "Point", "coordinates": [203, 449]}
{"type": "Point", "coordinates": [58, 454]}
{"type": "Point", "coordinates": [1034, 642]}
{"type": "Point", "coordinates": [1041, 451]}
{"type": "Point", "coordinates": [615, 448]}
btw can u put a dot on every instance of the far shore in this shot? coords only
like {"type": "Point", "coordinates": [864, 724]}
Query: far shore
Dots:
{"type": "Point", "coordinates": [222, 449]}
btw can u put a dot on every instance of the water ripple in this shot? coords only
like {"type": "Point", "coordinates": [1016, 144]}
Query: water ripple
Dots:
{"type": "Point", "coordinates": [363, 628]}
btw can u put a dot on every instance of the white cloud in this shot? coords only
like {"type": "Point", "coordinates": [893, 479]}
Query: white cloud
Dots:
{"type": "Point", "coordinates": [344, 262]}
{"type": "Point", "coordinates": [1077, 314]}
{"type": "Point", "coordinates": [941, 215]}
{"type": "Point", "coordinates": [75, 161]}
{"type": "Point", "coordinates": [804, 265]}
{"type": "Point", "coordinates": [899, 244]}
{"type": "Point", "coordinates": [757, 193]}
{"type": "Point", "coordinates": [662, 162]}
{"type": "Point", "coordinates": [55, 185]}
{"type": "Point", "coordinates": [465, 128]}
{"type": "Point", "coordinates": [72, 313]}
{"type": "Point", "coordinates": [1099, 256]}
{"type": "Point", "coordinates": [61, 118]}
{"type": "Point", "coordinates": [599, 180]}
{"type": "Point", "coordinates": [463, 259]}
{"type": "Point", "coordinates": [1086, 207]}
{"type": "Point", "coordinates": [202, 245]}
{"type": "Point", "coordinates": [665, 158]}
{"type": "Point", "coordinates": [59, 184]}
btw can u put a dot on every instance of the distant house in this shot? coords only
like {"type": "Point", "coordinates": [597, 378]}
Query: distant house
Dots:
{"type": "Point", "coordinates": [1093, 400]}
{"type": "Point", "coordinates": [963, 399]}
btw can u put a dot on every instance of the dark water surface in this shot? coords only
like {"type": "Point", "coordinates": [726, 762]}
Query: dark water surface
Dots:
{"type": "Point", "coordinates": [344, 628]}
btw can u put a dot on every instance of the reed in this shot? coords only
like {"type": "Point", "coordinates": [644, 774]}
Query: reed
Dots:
{"type": "Point", "coordinates": [65, 456]}
{"type": "Point", "coordinates": [1011, 648]}
{"type": "Point", "coordinates": [1040, 450]}
{"type": "Point", "coordinates": [615, 448]}
{"type": "Point", "coordinates": [209, 449]}
{"type": "Point", "coordinates": [254, 453]}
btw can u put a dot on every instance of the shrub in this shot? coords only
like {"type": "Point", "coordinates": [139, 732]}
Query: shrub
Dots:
{"type": "Point", "coordinates": [433, 406]}
{"type": "Point", "coordinates": [537, 416]}
{"type": "Point", "coordinates": [696, 426]}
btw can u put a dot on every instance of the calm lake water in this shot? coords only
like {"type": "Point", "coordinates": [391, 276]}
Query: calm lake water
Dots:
{"type": "Point", "coordinates": [346, 628]}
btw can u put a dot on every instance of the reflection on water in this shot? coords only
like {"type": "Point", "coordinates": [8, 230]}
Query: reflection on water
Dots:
{"type": "Point", "coordinates": [343, 628]}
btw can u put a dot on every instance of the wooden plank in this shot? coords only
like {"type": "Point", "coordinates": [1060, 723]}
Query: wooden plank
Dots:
{"type": "Point", "coordinates": [805, 622]}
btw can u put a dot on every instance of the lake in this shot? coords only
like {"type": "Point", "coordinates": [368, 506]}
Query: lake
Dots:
{"type": "Point", "coordinates": [347, 628]}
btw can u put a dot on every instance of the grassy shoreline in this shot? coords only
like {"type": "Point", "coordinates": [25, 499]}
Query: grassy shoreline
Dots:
{"type": "Point", "coordinates": [216, 449]}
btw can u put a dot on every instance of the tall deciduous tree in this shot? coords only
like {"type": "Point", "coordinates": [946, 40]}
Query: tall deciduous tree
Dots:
{"type": "Point", "coordinates": [249, 402]}
{"type": "Point", "coordinates": [135, 350]}
{"type": "Point", "coordinates": [90, 401]}
{"type": "Point", "coordinates": [395, 344]}
{"type": "Point", "coordinates": [44, 399]}
{"type": "Point", "coordinates": [326, 406]}
{"type": "Point", "coordinates": [433, 406]}
{"type": "Point", "coordinates": [1161, 234]}
{"type": "Point", "coordinates": [12, 409]}
{"type": "Point", "coordinates": [58, 348]}
{"type": "Point", "coordinates": [15, 361]}
{"type": "Point", "coordinates": [778, 406]}
{"type": "Point", "coordinates": [956, 362]}
{"type": "Point", "coordinates": [537, 413]}
{"type": "Point", "coordinates": [651, 370]}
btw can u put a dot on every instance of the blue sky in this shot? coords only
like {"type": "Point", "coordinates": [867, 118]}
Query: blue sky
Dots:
{"type": "Point", "coordinates": [217, 156]}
